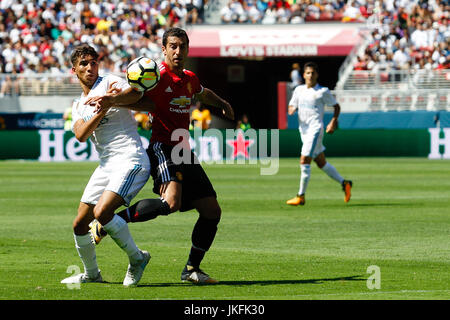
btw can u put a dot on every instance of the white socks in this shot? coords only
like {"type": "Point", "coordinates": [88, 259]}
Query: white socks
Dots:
{"type": "Point", "coordinates": [305, 173]}
{"type": "Point", "coordinates": [117, 228]}
{"type": "Point", "coordinates": [332, 172]}
{"type": "Point", "coordinates": [86, 250]}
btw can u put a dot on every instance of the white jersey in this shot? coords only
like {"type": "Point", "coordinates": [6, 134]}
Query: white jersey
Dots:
{"type": "Point", "coordinates": [311, 102]}
{"type": "Point", "coordinates": [116, 138]}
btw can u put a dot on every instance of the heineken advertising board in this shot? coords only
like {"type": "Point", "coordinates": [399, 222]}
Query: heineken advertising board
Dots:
{"type": "Point", "coordinates": [228, 145]}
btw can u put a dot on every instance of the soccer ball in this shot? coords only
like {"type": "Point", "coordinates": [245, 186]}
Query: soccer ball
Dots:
{"type": "Point", "coordinates": [143, 74]}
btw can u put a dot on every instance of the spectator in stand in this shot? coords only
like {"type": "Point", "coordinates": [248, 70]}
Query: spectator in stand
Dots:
{"type": "Point", "coordinates": [194, 13]}
{"type": "Point", "coordinates": [351, 13]}
{"type": "Point", "coordinates": [254, 15]}
{"type": "Point", "coordinates": [227, 15]}
{"type": "Point", "coordinates": [270, 15]}
{"type": "Point", "coordinates": [419, 38]}
{"type": "Point", "coordinates": [283, 13]}
{"type": "Point", "coordinates": [238, 10]}
{"type": "Point", "coordinates": [297, 15]}
{"type": "Point", "coordinates": [10, 85]}
{"type": "Point", "coordinates": [401, 59]}
{"type": "Point", "coordinates": [361, 64]}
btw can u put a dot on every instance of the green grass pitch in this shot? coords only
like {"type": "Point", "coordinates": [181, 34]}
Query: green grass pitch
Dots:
{"type": "Point", "coordinates": [398, 221]}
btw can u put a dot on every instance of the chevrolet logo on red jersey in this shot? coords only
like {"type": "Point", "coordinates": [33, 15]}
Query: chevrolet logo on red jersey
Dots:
{"type": "Point", "coordinates": [181, 101]}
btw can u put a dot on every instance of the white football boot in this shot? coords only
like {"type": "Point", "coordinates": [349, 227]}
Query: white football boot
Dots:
{"type": "Point", "coordinates": [135, 271]}
{"type": "Point", "coordinates": [82, 278]}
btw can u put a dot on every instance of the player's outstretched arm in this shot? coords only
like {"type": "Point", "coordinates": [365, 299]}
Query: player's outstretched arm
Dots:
{"type": "Point", "coordinates": [115, 98]}
{"type": "Point", "coordinates": [128, 98]}
{"type": "Point", "coordinates": [209, 97]}
{"type": "Point", "coordinates": [144, 104]}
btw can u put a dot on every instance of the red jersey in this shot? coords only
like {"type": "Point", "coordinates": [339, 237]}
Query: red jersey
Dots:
{"type": "Point", "coordinates": [173, 97]}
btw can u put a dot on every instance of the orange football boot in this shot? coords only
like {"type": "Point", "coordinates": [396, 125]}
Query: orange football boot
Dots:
{"type": "Point", "coordinates": [298, 200]}
{"type": "Point", "coordinates": [347, 187]}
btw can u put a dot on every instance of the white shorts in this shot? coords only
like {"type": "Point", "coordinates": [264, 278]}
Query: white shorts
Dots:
{"type": "Point", "coordinates": [126, 181]}
{"type": "Point", "coordinates": [312, 144]}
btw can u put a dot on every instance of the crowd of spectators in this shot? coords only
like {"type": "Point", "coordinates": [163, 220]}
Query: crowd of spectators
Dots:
{"type": "Point", "coordinates": [297, 11]}
{"type": "Point", "coordinates": [412, 37]}
{"type": "Point", "coordinates": [38, 36]}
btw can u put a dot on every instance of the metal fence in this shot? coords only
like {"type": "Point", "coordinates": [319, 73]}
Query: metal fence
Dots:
{"type": "Point", "coordinates": [362, 92]}
{"type": "Point", "coordinates": [397, 80]}
{"type": "Point", "coordinates": [39, 85]}
{"type": "Point", "coordinates": [393, 100]}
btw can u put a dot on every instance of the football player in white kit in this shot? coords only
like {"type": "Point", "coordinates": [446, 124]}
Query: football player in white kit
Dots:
{"type": "Point", "coordinates": [123, 170]}
{"type": "Point", "coordinates": [308, 101]}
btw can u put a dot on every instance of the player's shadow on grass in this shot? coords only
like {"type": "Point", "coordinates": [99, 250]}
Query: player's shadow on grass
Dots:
{"type": "Point", "coordinates": [375, 204]}
{"type": "Point", "coordinates": [261, 282]}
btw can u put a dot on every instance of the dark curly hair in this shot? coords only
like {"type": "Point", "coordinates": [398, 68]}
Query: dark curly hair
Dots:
{"type": "Point", "coordinates": [82, 50]}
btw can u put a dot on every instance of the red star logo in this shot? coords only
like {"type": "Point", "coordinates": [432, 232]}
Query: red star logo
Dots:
{"type": "Point", "coordinates": [240, 145]}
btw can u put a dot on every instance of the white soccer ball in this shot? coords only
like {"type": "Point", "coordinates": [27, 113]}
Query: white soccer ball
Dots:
{"type": "Point", "coordinates": [143, 74]}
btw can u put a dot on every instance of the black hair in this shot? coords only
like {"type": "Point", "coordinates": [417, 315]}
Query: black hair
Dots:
{"type": "Point", "coordinates": [82, 50]}
{"type": "Point", "coordinates": [174, 32]}
{"type": "Point", "coordinates": [311, 65]}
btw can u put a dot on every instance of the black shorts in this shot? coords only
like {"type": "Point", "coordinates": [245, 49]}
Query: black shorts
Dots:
{"type": "Point", "coordinates": [195, 183]}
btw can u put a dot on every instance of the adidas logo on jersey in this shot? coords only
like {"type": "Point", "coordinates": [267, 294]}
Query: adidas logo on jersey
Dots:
{"type": "Point", "coordinates": [169, 89]}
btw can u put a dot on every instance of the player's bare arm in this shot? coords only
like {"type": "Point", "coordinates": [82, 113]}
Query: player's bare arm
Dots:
{"type": "Point", "coordinates": [144, 104]}
{"type": "Point", "coordinates": [125, 97]}
{"type": "Point", "coordinates": [291, 110]}
{"type": "Point", "coordinates": [84, 129]}
{"type": "Point", "coordinates": [128, 98]}
{"type": "Point", "coordinates": [209, 97]}
{"type": "Point", "coordinates": [332, 126]}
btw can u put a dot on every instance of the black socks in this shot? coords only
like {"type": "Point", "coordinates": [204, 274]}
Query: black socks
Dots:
{"type": "Point", "coordinates": [202, 238]}
{"type": "Point", "coordinates": [144, 210]}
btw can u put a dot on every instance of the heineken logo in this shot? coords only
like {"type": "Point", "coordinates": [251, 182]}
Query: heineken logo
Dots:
{"type": "Point", "coordinates": [439, 143]}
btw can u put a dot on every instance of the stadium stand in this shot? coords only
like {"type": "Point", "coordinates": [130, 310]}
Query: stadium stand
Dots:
{"type": "Point", "coordinates": [404, 62]}
{"type": "Point", "coordinates": [293, 11]}
{"type": "Point", "coordinates": [36, 37]}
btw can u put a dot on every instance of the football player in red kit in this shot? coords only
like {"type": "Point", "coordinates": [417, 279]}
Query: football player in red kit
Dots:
{"type": "Point", "coordinates": [178, 178]}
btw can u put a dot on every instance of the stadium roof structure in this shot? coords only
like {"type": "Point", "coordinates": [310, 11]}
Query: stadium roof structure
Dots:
{"type": "Point", "coordinates": [316, 39]}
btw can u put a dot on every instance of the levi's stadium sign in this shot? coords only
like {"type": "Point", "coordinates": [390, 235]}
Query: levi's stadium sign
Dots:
{"type": "Point", "coordinates": [274, 41]}
{"type": "Point", "coordinates": [268, 51]}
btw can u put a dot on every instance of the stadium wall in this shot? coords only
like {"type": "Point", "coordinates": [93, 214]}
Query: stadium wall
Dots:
{"type": "Point", "coordinates": [384, 120]}
{"type": "Point", "coordinates": [216, 145]}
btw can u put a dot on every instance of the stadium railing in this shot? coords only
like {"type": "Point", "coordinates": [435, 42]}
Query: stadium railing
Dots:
{"type": "Point", "coordinates": [397, 80]}
{"type": "Point", "coordinates": [363, 91]}
{"type": "Point", "coordinates": [393, 100]}
{"type": "Point", "coordinates": [41, 84]}
{"type": "Point", "coordinates": [395, 90]}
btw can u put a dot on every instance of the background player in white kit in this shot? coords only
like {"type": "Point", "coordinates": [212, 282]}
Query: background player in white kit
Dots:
{"type": "Point", "coordinates": [309, 101]}
{"type": "Point", "coordinates": [124, 169]}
